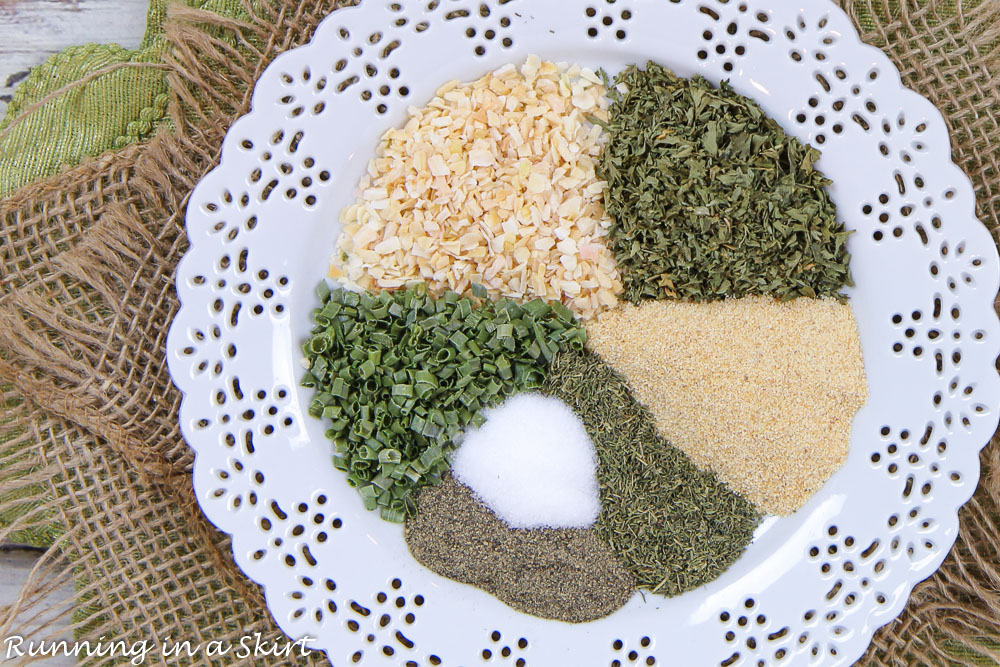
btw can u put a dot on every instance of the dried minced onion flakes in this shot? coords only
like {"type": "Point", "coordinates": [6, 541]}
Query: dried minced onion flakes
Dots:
{"type": "Point", "coordinates": [493, 182]}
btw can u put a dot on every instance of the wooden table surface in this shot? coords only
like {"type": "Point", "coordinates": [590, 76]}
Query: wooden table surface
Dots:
{"type": "Point", "coordinates": [30, 32]}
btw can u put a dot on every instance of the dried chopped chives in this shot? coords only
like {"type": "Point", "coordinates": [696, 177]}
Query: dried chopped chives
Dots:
{"type": "Point", "coordinates": [400, 374]}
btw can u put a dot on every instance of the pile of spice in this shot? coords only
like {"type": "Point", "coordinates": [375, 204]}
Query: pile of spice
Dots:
{"type": "Point", "coordinates": [400, 374]}
{"type": "Point", "coordinates": [493, 182]}
{"type": "Point", "coordinates": [532, 463]}
{"type": "Point", "coordinates": [758, 391]}
{"type": "Point", "coordinates": [563, 574]}
{"type": "Point", "coordinates": [710, 198]}
{"type": "Point", "coordinates": [673, 526]}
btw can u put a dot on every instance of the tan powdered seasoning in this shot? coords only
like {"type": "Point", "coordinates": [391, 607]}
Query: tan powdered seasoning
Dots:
{"type": "Point", "coordinates": [760, 392]}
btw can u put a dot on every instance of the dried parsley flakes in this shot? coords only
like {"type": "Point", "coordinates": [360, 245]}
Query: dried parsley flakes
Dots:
{"type": "Point", "coordinates": [711, 199]}
{"type": "Point", "coordinates": [673, 526]}
{"type": "Point", "coordinates": [400, 374]}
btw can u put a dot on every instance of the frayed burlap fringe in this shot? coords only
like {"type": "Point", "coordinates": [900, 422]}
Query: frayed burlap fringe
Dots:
{"type": "Point", "coordinates": [89, 445]}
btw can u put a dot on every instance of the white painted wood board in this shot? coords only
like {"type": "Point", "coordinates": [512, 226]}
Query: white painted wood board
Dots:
{"type": "Point", "coordinates": [32, 30]}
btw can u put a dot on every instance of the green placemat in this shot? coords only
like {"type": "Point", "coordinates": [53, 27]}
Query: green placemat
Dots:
{"type": "Point", "coordinates": [90, 99]}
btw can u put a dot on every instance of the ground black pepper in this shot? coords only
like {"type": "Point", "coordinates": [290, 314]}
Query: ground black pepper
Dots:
{"type": "Point", "coordinates": [563, 574]}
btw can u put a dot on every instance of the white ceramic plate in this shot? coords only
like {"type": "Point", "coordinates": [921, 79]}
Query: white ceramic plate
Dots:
{"type": "Point", "coordinates": [813, 587]}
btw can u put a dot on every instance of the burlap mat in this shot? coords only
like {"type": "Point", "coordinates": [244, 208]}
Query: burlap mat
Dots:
{"type": "Point", "coordinates": [88, 416]}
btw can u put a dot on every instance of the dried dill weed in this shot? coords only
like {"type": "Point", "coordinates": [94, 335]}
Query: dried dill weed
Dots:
{"type": "Point", "coordinates": [564, 574]}
{"type": "Point", "coordinates": [493, 182]}
{"type": "Point", "coordinates": [760, 392]}
{"type": "Point", "coordinates": [675, 527]}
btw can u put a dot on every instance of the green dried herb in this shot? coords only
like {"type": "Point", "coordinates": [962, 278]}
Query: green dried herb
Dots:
{"type": "Point", "coordinates": [400, 374]}
{"type": "Point", "coordinates": [673, 526]}
{"type": "Point", "coordinates": [711, 199]}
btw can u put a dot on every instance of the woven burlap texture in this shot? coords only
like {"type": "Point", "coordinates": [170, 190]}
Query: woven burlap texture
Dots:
{"type": "Point", "coordinates": [88, 416]}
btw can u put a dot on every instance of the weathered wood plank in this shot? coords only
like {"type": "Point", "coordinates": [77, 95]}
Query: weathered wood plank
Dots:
{"type": "Point", "coordinates": [15, 567]}
{"type": "Point", "coordinates": [32, 30]}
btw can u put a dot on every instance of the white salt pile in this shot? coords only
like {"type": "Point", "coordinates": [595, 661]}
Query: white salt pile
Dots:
{"type": "Point", "coordinates": [533, 464]}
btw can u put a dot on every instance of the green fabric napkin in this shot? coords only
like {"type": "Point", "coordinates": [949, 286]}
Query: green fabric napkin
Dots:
{"type": "Point", "coordinates": [89, 99]}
